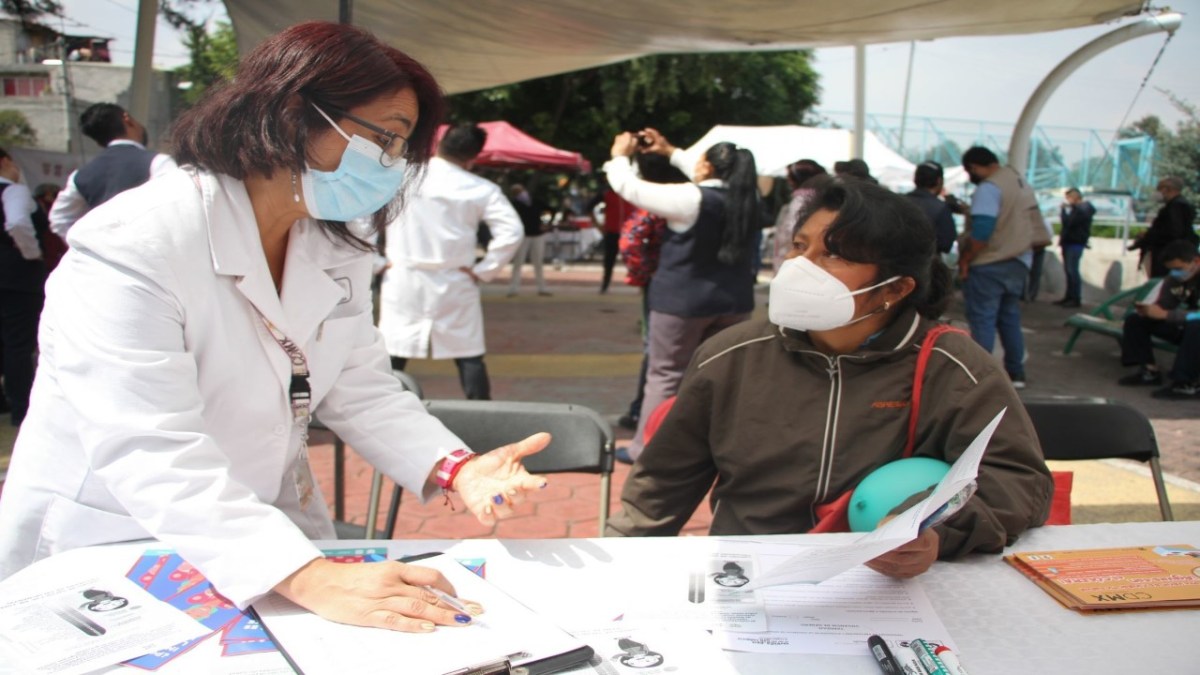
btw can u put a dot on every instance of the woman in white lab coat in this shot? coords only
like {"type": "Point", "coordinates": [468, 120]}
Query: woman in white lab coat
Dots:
{"type": "Point", "coordinates": [198, 319]}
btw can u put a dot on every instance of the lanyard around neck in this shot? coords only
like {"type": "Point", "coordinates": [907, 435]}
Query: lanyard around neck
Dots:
{"type": "Point", "coordinates": [299, 391]}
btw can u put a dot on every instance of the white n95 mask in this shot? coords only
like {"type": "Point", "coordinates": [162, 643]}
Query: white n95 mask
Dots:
{"type": "Point", "coordinates": [805, 297]}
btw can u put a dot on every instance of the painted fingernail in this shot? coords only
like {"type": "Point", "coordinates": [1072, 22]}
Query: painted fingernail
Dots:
{"type": "Point", "coordinates": [462, 618]}
{"type": "Point", "coordinates": [427, 626]}
{"type": "Point", "coordinates": [497, 499]}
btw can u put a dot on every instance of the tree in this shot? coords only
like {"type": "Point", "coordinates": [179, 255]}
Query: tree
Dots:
{"type": "Point", "coordinates": [681, 95]}
{"type": "Point", "coordinates": [15, 130]}
{"type": "Point", "coordinates": [28, 10]}
{"type": "Point", "coordinates": [1178, 150]}
{"type": "Point", "coordinates": [1150, 125]}
{"type": "Point", "coordinates": [178, 12]}
{"type": "Point", "coordinates": [214, 58]}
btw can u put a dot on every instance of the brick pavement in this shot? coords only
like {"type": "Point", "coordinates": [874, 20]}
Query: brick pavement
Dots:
{"type": "Point", "coordinates": [582, 347]}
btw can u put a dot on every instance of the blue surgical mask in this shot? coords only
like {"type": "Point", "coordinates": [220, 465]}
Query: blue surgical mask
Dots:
{"type": "Point", "coordinates": [358, 187]}
{"type": "Point", "coordinates": [1179, 274]}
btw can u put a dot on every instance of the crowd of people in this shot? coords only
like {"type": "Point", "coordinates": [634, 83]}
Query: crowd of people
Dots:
{"type": "Point", "coordinates": [213, 301]}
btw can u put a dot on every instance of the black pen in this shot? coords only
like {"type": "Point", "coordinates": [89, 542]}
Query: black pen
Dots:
{"type": "Point", "coordinates": [883, 656]}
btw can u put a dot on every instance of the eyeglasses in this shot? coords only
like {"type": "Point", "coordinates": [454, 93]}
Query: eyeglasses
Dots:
{"type": "Point", "coordinates": [394, 146]}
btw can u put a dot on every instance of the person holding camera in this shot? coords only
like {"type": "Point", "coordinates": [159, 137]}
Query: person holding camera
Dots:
{"type": "Point", "coordinates": [705, 280]}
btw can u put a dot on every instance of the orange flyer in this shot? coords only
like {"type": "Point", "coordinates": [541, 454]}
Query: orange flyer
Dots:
{"type": "Point", "coordinates": [1139, 577]}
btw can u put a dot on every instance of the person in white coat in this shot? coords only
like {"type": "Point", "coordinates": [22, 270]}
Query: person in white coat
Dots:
{"type": "Point", "coordinates": [198, 319]}
{"type": "Point", "coordinates": [430, 303]}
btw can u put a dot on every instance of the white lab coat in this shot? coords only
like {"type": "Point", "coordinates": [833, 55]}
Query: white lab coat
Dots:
{"type": "Point", "coordinates": [430, 308]}
{"type": "Point", "coordinates": [161, 403]}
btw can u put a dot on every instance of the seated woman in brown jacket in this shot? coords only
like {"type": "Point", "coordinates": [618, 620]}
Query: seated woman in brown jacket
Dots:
{"type": "Point", "coordinates": [788, 413]}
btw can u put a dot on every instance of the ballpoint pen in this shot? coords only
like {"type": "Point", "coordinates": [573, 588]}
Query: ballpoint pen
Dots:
{"type": "Point", "coordinates": [452, 601]}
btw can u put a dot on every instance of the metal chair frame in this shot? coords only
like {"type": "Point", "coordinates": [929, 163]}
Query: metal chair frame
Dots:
{"type": "Point", "coordinates": [1081, 428]}
{"type": "Point", "coordinates": [582, 442]}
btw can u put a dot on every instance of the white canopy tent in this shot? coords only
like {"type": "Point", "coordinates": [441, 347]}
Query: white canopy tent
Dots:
{"type": "Point", "coordinates": [486, 43]}
{"type": "Point", "coordinates": [775, 147]}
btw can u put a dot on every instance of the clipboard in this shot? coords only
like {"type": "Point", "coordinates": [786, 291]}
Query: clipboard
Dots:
{"type": "Point", "coordinates": [523, 642]}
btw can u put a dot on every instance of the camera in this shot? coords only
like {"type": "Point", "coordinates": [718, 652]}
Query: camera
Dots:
{"type": "Point", "coordinates": [644, 141]}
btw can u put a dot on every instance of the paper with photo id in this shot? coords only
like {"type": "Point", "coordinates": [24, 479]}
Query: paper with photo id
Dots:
{"type": "Point", "coordinates": [814, 565]}
{"type": "Point", "coordinates": [61, 616]}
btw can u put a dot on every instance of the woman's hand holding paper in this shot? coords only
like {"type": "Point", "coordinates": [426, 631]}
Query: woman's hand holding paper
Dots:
{"type": "Point", "coordinates": [909, 560]}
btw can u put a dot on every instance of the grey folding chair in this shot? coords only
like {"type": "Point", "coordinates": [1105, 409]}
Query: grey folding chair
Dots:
{"type": "Point", "coordinates": [346, 530]}
{"type": "Point", "coordinates": [582, 441]}
{"type": "Point", "coordinates": [1076, 428]}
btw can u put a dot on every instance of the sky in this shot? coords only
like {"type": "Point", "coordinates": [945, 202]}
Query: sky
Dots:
{"type": "Point", "coordinates": [979, 78]}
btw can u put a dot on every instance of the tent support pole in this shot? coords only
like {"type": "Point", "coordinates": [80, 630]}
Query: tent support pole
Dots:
{"type": "Point", "coordinates": [1018, 149]}
{"type": "Point", "coordinates": [912, 52]}
{"type": "Point", "coordinates": [860, 100]}
{"type": "Point", "coordinates": [345, 11]}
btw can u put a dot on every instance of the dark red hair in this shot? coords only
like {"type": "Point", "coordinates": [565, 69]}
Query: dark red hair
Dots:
{"type": "Point", "coordinates": [261, 120]}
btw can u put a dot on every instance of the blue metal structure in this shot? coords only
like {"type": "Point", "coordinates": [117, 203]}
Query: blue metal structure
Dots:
{"type": "Point", "coordinates": [1058, 156]}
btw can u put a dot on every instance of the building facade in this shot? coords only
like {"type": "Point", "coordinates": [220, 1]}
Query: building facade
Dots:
{"type": "Point", "coordinates": [51, 91]}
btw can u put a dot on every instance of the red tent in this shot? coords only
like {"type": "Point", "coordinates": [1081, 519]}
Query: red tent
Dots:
{"type": "Point", "coordinates": [509, 147]}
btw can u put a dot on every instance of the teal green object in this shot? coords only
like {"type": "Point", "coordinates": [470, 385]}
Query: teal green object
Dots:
{"type": "Point", "coordinates": [888, 486]}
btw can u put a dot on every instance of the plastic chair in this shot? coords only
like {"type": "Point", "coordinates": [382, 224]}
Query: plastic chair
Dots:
{"type": "Point", "coordinates": [1078, 428]}
{"type": "Point", "coordinates": [346, 530]}
{"type": "Point", "coordinates": [583, 442]}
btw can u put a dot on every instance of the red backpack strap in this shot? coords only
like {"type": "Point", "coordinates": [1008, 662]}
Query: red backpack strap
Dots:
{"type": "Point", "coordinates": [919, 376]}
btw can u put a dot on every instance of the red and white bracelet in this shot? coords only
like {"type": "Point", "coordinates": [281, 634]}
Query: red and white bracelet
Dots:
{"type": "Point", "coordinates": [451, 465]}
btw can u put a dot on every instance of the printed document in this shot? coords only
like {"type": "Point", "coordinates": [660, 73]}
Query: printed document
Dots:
{"type": "Point", "coordinates": [55, 620]}
{"type": "Point", "coordinates": [625, 647]}
{"type": "Point", "coordinates": [837, 616]}
{"type": "Point", "coordinates": [506, 629]}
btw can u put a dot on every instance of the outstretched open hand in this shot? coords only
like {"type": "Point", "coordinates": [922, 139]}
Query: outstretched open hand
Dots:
{"type": "Point", "coordinates": [492, 483]}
